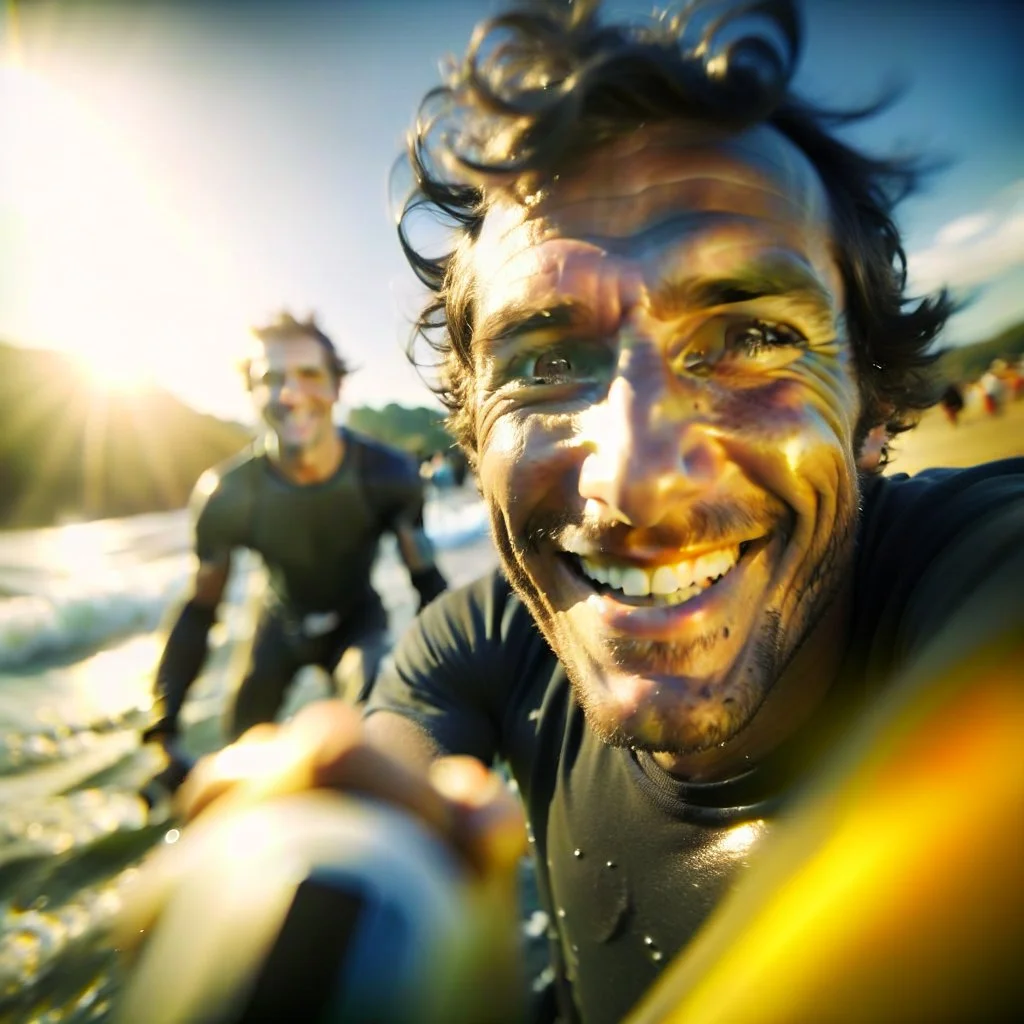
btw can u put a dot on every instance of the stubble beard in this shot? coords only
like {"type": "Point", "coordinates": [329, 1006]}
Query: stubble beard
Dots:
{"type": "Point", "coordinates": [761, 663]}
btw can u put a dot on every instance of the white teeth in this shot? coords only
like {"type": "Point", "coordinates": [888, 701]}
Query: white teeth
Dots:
{"type": "Point", "coordinates": [676, 583]}
{"type": "Point", "coordinates": [635, 582]}
{"type": "Point", "coordinates": [664, 580]}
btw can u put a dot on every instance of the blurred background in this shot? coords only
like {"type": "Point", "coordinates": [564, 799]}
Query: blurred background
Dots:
{"type": "Point", "coordinates": [173, 172]}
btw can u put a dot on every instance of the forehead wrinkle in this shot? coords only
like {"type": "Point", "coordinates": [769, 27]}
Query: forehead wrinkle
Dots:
{"type": "Point", "coordinates": [514, 234]}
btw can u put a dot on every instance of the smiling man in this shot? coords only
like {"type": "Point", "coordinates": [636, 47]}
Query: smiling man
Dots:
{"type": "Point", "coordinates": [665, 416]}
{"type": "Point", "coordinates": [313, 501]}
{"type": "Point", "coordinates": [674, 342]}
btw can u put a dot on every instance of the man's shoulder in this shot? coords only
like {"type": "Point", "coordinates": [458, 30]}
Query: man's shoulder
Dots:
{"type": "Point", "coordinates": [939, 503]}
{"type": "Point", "coordinates": [485, 613]}
{"type": "Point", "coordinates": [929, 541]}
{"type": "Point", "coordinates": [227, 484]}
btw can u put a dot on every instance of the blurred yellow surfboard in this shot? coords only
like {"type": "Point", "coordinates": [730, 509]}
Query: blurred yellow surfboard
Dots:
{"type": "Point", "coordinates": [895, 892]}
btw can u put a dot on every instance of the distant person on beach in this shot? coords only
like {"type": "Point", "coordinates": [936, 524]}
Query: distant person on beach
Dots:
{"type": "Point", "coordinates": [674, 340]}
{"type": "Point", "coordinates": [312, 500]}
{"type": "Point", "coordinates": [952, 402]}
{"type": "Point", "coordinates": [993, 390]}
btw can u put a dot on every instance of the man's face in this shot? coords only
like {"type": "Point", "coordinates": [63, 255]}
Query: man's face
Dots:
{"type": "Point", "coordinates": [665, 408]}
{"type": "Point", "coordinates": [294, 391]}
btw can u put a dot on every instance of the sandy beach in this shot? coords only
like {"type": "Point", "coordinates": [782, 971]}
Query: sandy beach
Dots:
{"type": "Point", "coordinates": [977, 438]}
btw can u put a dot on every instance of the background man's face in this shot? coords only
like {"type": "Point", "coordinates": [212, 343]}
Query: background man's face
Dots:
{"type": "Point", "coordinates": [665, 406]}
{"type": "Point", "coordinates": [294, 390]}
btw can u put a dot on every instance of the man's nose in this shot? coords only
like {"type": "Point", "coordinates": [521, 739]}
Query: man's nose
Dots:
{"type": "Point", "coordinates": [287, 390]}
{"type": "Point", "coordinates": [651, 443]}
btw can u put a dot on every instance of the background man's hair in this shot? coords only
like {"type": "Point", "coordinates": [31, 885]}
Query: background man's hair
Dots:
{"type": "Point", "coordinates": [543, 85]}
{"type": "Point", "coordinates": [284, 327]}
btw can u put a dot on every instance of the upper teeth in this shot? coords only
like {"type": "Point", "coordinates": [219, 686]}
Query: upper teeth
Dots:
{"type": "Point", "coordinates": [663, 580]}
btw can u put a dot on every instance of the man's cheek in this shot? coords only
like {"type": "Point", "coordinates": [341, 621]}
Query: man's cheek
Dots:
{"type": "Point", "coordinates": [500, 452]}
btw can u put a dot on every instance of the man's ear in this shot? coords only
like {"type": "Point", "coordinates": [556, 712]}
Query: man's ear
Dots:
{"type": "Point", "coordinates": [871, 450]}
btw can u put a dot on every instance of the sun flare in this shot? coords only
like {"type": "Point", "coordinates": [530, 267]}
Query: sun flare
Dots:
{"type": "Point", "coordinates": [115, 372]}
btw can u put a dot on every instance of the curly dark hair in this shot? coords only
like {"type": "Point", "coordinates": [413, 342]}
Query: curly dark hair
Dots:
{"type": "Point", "coordinates": [546, 83]}
{"type": "Point", "coordinates": [285, 326]}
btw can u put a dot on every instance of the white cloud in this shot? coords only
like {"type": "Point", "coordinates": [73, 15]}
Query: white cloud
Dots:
{"type": "Point", "coordinates": [974, 248]}
{"type": "Point", "coordinates": [964, 228]}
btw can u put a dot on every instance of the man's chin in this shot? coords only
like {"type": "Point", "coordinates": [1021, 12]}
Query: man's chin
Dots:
{"type": "Point", "coordinates": [664, 715]}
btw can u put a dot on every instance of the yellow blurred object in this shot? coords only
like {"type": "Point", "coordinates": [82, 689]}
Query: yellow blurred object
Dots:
{"type": "Point", "coordinates": [896, 892]}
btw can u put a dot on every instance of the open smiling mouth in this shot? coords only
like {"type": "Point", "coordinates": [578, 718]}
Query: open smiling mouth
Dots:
{"type": "Point", "coordinates": [662, 585]}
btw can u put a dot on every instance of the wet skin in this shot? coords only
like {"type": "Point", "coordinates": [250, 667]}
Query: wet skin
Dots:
{"type": "Point", "coordinates": [294, 392]}
{"type": "Point", "coordinates": [662, 373]}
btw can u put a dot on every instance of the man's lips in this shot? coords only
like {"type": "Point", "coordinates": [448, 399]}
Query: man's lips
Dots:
{"type": "Point", "coordinates": [706, 584]}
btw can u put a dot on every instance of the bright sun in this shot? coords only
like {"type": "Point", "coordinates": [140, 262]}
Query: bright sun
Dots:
{"type": "Point", "coordinates": [114, 272]}
{"type": "Point", "coordinates": [115, 372]}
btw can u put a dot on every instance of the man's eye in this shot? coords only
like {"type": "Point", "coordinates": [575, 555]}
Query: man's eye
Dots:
{"type": "Point", "coordinates": [753, 337]}
{"type": "Point", "coordinates": [726, 342]}
{"type": "Point", "coordinates": [552, 364]}
{"type": "Point", "coordinates": [564, 362]}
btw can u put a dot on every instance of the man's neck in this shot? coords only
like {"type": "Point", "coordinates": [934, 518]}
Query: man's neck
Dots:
{"type": "Point", "coordinates": [310, 465]}
{"type": "Point", "coordinates": [797, 694]}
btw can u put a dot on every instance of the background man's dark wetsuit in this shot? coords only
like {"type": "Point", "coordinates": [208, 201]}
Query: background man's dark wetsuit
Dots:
{"type": "Point", "coordinates": [318, 543]}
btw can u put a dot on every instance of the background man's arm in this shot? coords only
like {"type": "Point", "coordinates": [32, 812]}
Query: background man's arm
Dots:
{"type": "Point", "coordinates": [418, 555]}
{"type": "Point", "coordinates": [186, 647]}
{"type": "Point", "coordinates": [414, 546]}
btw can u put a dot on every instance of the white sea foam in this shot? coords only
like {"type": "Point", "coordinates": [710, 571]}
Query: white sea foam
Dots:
{"type": "Point", "coordinates": [78, 586]}
{"type": "Point", "coordinates": [87, 612]}
{"type": "Point", "coordinates": [453, 521]}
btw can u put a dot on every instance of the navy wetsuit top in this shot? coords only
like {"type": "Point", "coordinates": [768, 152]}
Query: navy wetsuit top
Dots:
{"type": "Point", "coordinates": [318, 541]}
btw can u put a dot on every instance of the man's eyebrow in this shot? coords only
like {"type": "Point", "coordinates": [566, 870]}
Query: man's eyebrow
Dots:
{"type": "Point", "coordinates": [514, 321]}
{"type": "Point", "coordinates": [784, 280]}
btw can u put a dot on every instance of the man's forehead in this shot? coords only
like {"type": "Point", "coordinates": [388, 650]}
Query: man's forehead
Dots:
{"type": "Point", "coordinates": [651, 176]}
{"type": "Point", "coordinates": [288, 349]}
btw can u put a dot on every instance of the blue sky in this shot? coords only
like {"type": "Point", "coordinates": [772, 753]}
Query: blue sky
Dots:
{"type": "Point", "coordinates": [171, 173]}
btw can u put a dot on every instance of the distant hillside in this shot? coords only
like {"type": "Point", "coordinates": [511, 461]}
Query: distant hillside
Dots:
{"type": "Point", "coordinates": [968, 362]}
{"type": "Point", "coordinates": [69, 451]}
{"type": "Point", "coordinates": [419, 431]}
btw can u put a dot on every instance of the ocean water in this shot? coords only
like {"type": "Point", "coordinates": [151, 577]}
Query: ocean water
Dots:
{"type": "Point", "coordinates": [82, 608]}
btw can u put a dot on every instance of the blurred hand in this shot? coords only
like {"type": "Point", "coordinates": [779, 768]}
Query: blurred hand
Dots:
{"type": "Point", "coordinates": [324, 747]}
